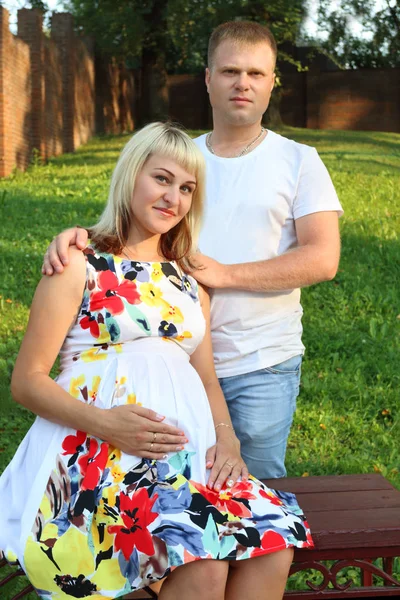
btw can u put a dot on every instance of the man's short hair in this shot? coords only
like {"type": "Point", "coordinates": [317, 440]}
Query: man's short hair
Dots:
{"type": "Point", "coordinates": [240, 32]}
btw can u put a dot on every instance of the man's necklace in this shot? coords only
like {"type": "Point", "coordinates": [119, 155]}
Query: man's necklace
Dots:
{"type": "Point", "coordinates": [245, 150]}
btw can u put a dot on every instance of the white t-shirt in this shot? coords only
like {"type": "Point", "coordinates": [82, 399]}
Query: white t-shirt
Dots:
{"type": "Point", "coordinates": [251, 205]}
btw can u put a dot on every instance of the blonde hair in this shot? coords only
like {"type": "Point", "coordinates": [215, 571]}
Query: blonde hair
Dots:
{"type": "Point", "coordinates": [240, 32]}
{"type": "Point", "coordinates": [164, 139]}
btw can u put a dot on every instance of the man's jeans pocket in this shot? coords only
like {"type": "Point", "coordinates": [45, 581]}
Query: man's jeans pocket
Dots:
{"type": "Point", "coordinates": [292, 365]}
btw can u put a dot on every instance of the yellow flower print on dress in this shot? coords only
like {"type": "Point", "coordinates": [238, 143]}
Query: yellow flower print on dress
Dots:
{"type": "Point", "coordinates": [184, 335]}
{"type": "Point", "coordinates": [110, 495]}
{"type": "Point", "coordinates": [10, 556]}
{"type": "Point", "coordinates": [71, 550]}
{"type": "Point", "coordinates": [104, 337]}
{"type": "Point", "coordinates": [156, 273]}
{"type": "Point", "coordinates": [101, 539]}
{"type": "Point", "coordinates": [151, 294]}
{"type": "Point", "coordinates": [110, 492]}
{"type": "Point", "coordinates": [117, 473]}
{"type": "Point", "coordinates": [171, 313]}
{"type": "Point", "coordinates": [78, 388]}
{"type": "Point", "coordinates": [93, 354]}
{"type": "Point", "coordinates": [95, 387]}
{"type": "Point", "coordinates": [132, 399]}
{"type": "Point", "coordinates": [114, 455]}
{"type": "Point", "coordinates": [75, 384]}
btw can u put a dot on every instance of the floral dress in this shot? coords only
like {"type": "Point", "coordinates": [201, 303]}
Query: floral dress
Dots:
{"type": "Point", "coordinates": [86, 520]}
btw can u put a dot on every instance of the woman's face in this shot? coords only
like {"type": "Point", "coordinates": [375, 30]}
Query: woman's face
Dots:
{"type": "Point", "coordinates": [162, 196]}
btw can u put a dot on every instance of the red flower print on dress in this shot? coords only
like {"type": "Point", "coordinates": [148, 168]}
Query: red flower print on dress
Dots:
{"type": "Point", "coordinates": [89, 322]}
{"type": "Point", "coordinates": [137, 516]}
{"type": "Point", "coordinates": [93, 463]}
{"type": "Point", "coordinates": [228, 499]}
{"type": "Point", "coordinates": [271, 497]}
{"type": "Point", "coordinates": [74, 443]}
{"type": "Point", "coordinates": [111, 293]}
{"type": "Point", "coordinates": [270, 541]}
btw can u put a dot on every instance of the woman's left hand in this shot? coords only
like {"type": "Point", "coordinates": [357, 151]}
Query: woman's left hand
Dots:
{"type": "Point", "coordinates": [226, 462]}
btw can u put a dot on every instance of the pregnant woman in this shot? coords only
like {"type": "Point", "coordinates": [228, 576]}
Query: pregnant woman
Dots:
{"type": "Point", "coordinates": [132, 471]}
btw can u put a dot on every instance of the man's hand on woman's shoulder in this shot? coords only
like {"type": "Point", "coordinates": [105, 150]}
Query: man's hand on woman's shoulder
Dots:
{"type": "Point", "coordinates": [57, 254]}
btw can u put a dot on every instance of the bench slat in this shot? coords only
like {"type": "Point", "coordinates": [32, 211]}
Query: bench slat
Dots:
{"type": "Point", "coordinates": [346, 553]}
{"type": "Point", "coordinates": [355, 528]}
{"type": "Point", "coordinates": [330, 483]}
{"type": "Point", "coordinates": [339, 501]}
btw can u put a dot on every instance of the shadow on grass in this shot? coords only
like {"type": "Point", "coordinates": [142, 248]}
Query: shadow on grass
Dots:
{"type": "Point", "coordinates": [355, 163]}
{"type": "Point", "coordinates": [380, 141]}
{"type": "Point", "coordinates": [93, 156]}
{"type": "Point", "coordinates": [99, 151]}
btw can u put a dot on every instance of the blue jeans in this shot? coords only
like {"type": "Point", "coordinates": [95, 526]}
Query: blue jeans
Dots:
{"type": "Point", "coordinates": [261, 405]}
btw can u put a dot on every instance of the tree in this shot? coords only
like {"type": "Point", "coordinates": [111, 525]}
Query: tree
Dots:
{"type": "Point", "coordinates": [17, 4]}
{"type": "Point", "coordinates": [378, 45]}
{"type": "Point", "coordinates": [161, 36]}
{"type": "Point", "coordinates": [190, 24]}
{"type": "Point", "coordinates": [132, 32]}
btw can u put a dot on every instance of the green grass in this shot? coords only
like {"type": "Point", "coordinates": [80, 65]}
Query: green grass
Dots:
{"type": "Point", "coordinates": [347, 419]}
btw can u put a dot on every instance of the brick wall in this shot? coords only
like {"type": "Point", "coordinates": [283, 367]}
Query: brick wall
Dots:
{"type": "Point", "coordinates": [30, 32]}
{"type": "Point", "coordinates": [15, 94]}
{"type": "Point", "coordinates": [366, 99]}
{"type": "Point", "coordinates": [84, 90]}
{"type": "Point", "coordinates": [116, 97]}
{"type": "Point", "coordinates": [48, 95]}
{"type": "Point", "coordinates": [188, 101]}
{"type": "Point", "coordinates": [293, 106]}
{"type": "Point", "coordinates": [78, 82]}
{"type": "Point", "coordinates": [53, 90]}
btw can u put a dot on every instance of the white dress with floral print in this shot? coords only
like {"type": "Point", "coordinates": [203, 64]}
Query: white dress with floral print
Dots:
{"type": "Point", "coordinates": [86, 520]}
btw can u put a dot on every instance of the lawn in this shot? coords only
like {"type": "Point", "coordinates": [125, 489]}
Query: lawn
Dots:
{"type": "Point", "coordinates": [347, 419]}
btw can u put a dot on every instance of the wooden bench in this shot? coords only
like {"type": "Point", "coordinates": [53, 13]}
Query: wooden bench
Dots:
{"type": "Point", "coordinates": [354, 519]}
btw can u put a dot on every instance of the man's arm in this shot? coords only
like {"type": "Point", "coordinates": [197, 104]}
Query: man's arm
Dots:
{"type": "Point", "coordinates": [315, 259]}
{"type": "Point", "coordinates": [58, 253]}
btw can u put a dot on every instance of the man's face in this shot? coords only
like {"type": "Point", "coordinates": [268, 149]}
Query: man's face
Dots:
{"type": "Point", "coordinates": [240, 82]}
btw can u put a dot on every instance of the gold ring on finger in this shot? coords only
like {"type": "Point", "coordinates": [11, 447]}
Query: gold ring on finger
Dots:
{"type": "Point", "coordinates": [154, 436]}
{"type": "Point", "coordinates": [151, 446]}
{"type": "Point", "coordinates": [229, 464]}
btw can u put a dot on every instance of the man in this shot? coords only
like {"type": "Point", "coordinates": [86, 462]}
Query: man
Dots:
{"type": "Point", "coordinates": [271, 227]}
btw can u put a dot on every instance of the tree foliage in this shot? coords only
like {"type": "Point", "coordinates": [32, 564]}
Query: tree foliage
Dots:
{"type": "Point", "coordinates": [182, 29]}
{"type": "Point", "coordinates": [191, 22]}
{"type": "Point", "coordinates": [161, 36]}
{"type": "Point", "coordinates": [121, 29]}
{"type": "Point", "coordinates": [378, 45]}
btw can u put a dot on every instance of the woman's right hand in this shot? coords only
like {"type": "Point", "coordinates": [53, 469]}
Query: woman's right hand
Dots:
{"type": "Point", "coordinates": [140, 431]}
{"type": "Point", "coordinates": [57, 254]}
